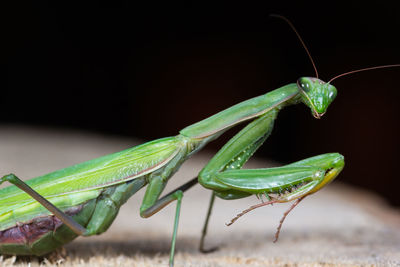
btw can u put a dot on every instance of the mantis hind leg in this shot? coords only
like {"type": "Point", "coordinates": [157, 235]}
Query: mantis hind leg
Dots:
{"type": "Point", "coordinates": [67, 220]}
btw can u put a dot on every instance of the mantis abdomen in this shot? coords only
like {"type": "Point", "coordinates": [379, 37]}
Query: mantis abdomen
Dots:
{"type": "Point", "coordinates": [43, 234]}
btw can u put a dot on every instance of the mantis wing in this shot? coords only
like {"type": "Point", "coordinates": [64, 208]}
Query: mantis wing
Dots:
{"type": "Point", "coordinates": [79, 183]}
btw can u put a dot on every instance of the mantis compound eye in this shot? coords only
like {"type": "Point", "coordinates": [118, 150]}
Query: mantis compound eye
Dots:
{"type": "Point", "coordinates": [304, 84]}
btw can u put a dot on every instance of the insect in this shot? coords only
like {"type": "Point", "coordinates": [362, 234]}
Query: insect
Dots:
{"type": "Point", "coordinates": [48, 211]}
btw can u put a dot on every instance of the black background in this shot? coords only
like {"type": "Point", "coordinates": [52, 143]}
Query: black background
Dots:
{"type": "Point", "coordinates": [149, 70]}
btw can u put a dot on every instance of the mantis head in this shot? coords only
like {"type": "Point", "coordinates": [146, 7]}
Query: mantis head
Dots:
{"type": "Point", "coordinates": [316, 94]}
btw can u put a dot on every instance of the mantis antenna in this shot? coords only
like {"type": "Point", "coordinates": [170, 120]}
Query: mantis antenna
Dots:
{"type": "Point", "coordinates": [364, 69]}
{"type": "Point", "coordinates": [298, 36]}
{"type": "Point", "coordinates": [312, 61]}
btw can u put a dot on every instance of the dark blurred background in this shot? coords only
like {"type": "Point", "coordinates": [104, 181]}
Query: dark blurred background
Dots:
{"type": "Point", "coordinates": [148, 70]}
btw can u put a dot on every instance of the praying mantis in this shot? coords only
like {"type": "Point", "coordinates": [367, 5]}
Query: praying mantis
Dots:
{"type": "Point", "coordinates": [48, 211]}
{"type": "Point", "coordinates": [42, 214]}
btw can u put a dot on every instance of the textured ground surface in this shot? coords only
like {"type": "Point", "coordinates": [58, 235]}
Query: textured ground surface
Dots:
{"type": "Point", "coordinates": [339, 226]}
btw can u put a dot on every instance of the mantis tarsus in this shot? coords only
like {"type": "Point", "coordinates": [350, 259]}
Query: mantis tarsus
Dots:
{"type": "Point", "coordinates": [48, 211]}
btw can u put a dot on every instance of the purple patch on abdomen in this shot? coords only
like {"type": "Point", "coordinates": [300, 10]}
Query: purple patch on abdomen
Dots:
{"type": "Point", "coordinates": [29, 232]}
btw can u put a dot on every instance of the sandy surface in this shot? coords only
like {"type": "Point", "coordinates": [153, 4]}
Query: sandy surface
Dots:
{"type": "Point", "coordinates": [338, 226]}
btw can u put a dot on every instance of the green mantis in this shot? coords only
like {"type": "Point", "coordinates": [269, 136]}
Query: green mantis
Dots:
{"type": "Point", "coordinates": [48, 211]}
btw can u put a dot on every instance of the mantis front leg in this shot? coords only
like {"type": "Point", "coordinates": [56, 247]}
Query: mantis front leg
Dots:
{"type": "Point", "coordinates": [223, 174]}
{"type": "Point", "coordinates": [233, 155]}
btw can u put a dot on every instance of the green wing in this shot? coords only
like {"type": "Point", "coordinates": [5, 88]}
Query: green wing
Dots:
{"type": "Point", "coordinates": [76, 184]}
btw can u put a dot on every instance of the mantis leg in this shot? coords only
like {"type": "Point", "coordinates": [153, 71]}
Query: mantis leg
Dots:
{"type": "Point", "coordinates": [223, 174]}
{"type": "Point", "coordinates": [233, 155]}
{"type": "Point", "coordinates": [67, 220]}
{"type": "Point", "coordinates": [205, 227]}
{"type": "Point", "coordinates": [152, 204]}
{"type": "Point", "coordinates": [284, 184]}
